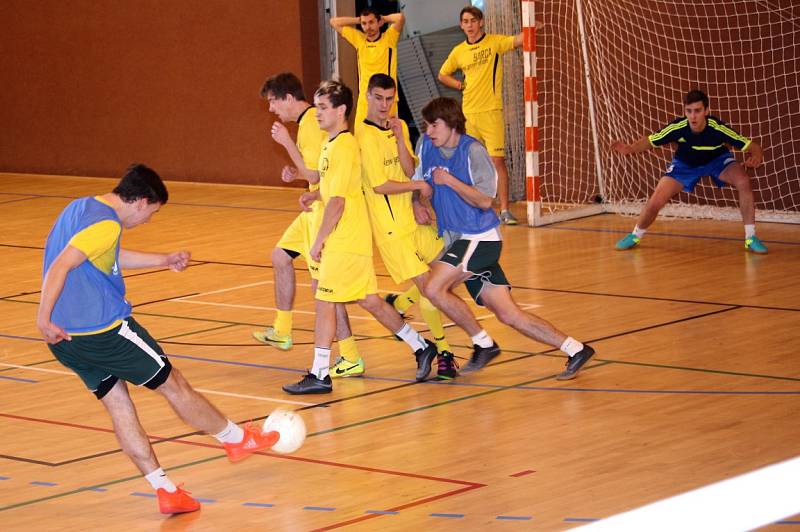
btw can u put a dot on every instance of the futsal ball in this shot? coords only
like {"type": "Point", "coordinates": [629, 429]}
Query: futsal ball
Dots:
{"type": "Point", "coordinates": [291, 428]}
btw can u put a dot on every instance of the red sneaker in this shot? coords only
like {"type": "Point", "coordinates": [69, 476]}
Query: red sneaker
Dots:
{"type": "Point", "coordinates": [254, 440]}
{"type": "Point", "coordinates": [177, 502]}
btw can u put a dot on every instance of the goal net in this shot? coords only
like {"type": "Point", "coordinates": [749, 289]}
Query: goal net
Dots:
{"type": "Point", "coordinates": [618, 69]}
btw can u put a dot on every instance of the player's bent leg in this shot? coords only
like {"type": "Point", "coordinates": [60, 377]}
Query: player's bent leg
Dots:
{"type": "Point", "coordinates": [502, 191]}
{"type": "Point", "coordinates": [666, 188]}
{"type": "Point", "coordinates": [127, 428]}
{"type": "Point", "coordinates": [438, 289]}
{"type": "Point", "coordinates": [192, 407]}
{"type": "Point", "coordinates": [280, 333]}
{"type": "Point", "coordinates": [735, 175]}
{"type": "Point", "coordinates": [318, 379]}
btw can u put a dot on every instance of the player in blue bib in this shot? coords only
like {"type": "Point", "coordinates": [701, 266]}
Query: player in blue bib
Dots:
{"type": "Point", "coordinates": [702, 150]}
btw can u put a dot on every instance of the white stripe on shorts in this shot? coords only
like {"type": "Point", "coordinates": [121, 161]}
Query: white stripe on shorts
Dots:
{"type": "Point", "coordinates": [473, 245]}
{"type": "Point", "coordinates": [128, 334]}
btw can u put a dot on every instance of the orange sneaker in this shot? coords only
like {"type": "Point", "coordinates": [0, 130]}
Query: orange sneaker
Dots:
{"type": "Point", "coordinates": [177, 502]}
{"type": "Point", "coordinates": [254, 440]}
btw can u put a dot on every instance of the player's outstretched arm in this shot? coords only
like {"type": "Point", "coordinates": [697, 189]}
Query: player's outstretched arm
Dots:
{"type": "Point", "coordinates": [339, 23]}
{"type": "Point", "coordinates": [754, 155]}
{"type": "Point", "coordinates": [176, 261]}
{"type": "Point", "coordinates": [69, 259]}
{"type": "Point", "coordinates": [638, 146]}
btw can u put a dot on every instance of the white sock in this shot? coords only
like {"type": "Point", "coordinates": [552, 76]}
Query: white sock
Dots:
{"type": "Point", "coordinates": [232, 433]}
{"type": "Point", "coordinates": [322, 361]}
{"type": "Point", "coordinates": [158, 479]}
{"type": "Point", "coordinates": [749, 230]}
{"type": "Point", "coordinates": [638, 231]}
{"type": "Point", "coordinates": [482, 339]}
{"type": "Point", "coordinates": [571, 346]}
{"type": "Point", "coordinates": [412, 338]}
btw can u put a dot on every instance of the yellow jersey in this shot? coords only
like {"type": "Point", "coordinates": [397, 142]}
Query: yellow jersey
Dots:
{"type": "Point", "coordinates": [309, 140]}
{"type": "Point", "coordinates": [391, 215]}
{"type": "Point", "coordinates": [483, 71]}
{"type": "Point", "coordinates": [340, 176]}
{"type": "Point", "coordinates": [376, 57]}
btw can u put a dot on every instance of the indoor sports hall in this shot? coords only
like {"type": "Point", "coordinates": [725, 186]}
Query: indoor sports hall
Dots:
{"type": "Point", "coordinates": [684, 419]}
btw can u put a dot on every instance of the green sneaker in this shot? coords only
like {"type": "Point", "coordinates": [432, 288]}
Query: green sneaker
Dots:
{"type": "Point", "coordinates": [628, 242]}
{"type": "Point", "coordinates": [269, 337]}
{"type": "Point", "coordinates": [755, 245]}
{"type": "Point", "coordinates": [345, 368]}
{"type": "Point", "coordinates": [507, 218]}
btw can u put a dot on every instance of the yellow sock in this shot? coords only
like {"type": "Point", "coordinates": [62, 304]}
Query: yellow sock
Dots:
{"type": "Point", "coordinates": [283, 323]}
{"type": "Point", "coordinates": [433, 318]}
{"type": "Point", "coordinates": [348, 349]}
{"type": "Point", "coordinates": [407, 298]}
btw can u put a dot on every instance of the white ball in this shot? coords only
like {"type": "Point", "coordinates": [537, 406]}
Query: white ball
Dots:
{"type": "Point", "coordinates": [291, 428]}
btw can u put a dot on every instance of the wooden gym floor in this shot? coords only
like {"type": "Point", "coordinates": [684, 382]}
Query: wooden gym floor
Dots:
{"type": "Point", "coordinates": [696, 379]}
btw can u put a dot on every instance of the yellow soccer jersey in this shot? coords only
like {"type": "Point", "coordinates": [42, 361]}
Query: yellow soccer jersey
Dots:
{"type": "Point", "coordinates": [391, 214]}
{"type": "Point", "coordinates": [309, 140]}
{"type": "Point", "coordinates": [377, 57]}
{"type": "Point", "coordinates": [483, 71]}
{"type": "Point", "coordinates": [340, 176]}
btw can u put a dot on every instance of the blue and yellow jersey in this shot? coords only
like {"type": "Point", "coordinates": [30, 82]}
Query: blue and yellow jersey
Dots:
{"type": "Point", "coordinates": [310, 139]}
{"type": "Point", "coordinates": [697, 149]}
{"type": "Point", "coordinates": [93, 297]}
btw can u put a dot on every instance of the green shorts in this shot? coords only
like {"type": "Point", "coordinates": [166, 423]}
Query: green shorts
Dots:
{"type": "Point", "coordinates": [126, 352]}
{"type": "Point", "coordinates": [481, 259]}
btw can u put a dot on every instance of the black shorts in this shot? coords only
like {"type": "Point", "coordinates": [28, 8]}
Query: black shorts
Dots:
{"type": "Point", "coordinates": [125, 352]}
{"type": "Point", "coordinates": [481, 259]}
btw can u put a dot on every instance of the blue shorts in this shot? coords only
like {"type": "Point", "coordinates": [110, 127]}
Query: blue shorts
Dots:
{"type": "Point", "coordinates": [688, 176]}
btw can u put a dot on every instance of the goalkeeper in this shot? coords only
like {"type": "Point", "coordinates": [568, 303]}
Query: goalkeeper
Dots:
{"type": "Point", "coordinates": [702, 141]}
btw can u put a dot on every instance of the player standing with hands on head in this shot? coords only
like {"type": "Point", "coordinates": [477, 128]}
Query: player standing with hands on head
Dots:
{"type": "Point", "coordinates": [461, 184]}
{"type": "Point", "coordinates": [286, 98]}
{"type": "Point", "coordinates": [701, 150]}
{"type": "Point", "coordinates": [87, 323]}
{"type": "Point", "coordinates": [479, 60]}
{"type": "Point", "coordinates": [376, 52]}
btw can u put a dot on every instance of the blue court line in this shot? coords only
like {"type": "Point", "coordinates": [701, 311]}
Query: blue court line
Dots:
{"type": "Point", "coordinates": [675, 235]}
{"type": "Point", "coordinates": [258, 504]}
{"type": "Point", "coordinates": [681, 392]}
{"type": "Point", "coordinates": [205, 501]}
{"type": "Point", "coordinates": [140, 494]}
{"type": "Point", "coordinates": [95, 489]}
{"type": "Point", "coordinates": [580, 519]}
{"type": "Point", "coordinates": [40, 483]}
{"type": "Point", "coordinates": [319, 508]}
{"type": "Point", "coordinates": [449, 516]}
{"type": "Point", "coordinates": [787, 523]}
{"type": "Point", "coordinates": [18, 379]}
{"type": "Point", "coordinates": [515, 517]}
{"type": "Point", "coordinates": [5, 478]}
{"type": "Point", "coordinates": [381, 512]}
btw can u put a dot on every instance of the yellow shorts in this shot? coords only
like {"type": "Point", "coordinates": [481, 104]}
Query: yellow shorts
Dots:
{"type": "Point", "coordinates": [489, 128]}
{"type": "Point", "coordinates": [408, 256]}
{"type": "Point", "coordinates": [345, 277]}
{"type": "Point", "coordinates": [300, 236]}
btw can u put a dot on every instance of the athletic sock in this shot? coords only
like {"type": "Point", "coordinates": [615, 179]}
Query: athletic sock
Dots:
{"type": "Point", "coordinates": [405, 300]}
{"type": "Point", "coordinates": [159, 480]}
{"type": "Point", "coordinates": [639, 232]}
{"type": "Point", "coordinates": [749, 230]}
{"type": "Point", "coordinates": [348, 349]}
{"type": "Point", "coordinates": [411, 337]}
{"type": "Point", "coordinates": [571, 346]}
{"type": "Point", "coordinates": [232, 433]}
{"type": "Point", "coordinates": [322, 360]}
{"type": "Point", "coordinates": [283, 323]}
{"type": "Point", "coordinates": [482, 339]}
{"type": "Point", "coordinates": [433, 318]}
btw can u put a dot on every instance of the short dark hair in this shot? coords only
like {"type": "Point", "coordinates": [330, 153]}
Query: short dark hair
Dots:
{"type": "Point", "coordinates": [472, 10]}
{"type": "Point", "coordinates": [367, 11]}
{"type": "Point", "coordinates": [448, 110]}
{"type": "Point", "coordinates": [381, 81]}
{"type": "Point", "coordinates": [139, 182]}
{"type": "Point", "coordinates": [694, 96]}
{"type": "Point", "coordinates": [283, 84]}
{"type": "Point", "coordinates": [338, 93]}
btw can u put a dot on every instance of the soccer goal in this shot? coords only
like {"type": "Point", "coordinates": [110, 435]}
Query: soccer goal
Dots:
{"type": "Point", "coordinates": [601, 70]}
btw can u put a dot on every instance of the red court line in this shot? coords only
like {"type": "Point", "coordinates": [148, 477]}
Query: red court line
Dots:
{"type": "Point", "coordinates": [523, 473]}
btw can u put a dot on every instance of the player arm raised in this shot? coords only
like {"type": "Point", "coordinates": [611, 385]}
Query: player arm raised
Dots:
{"type": "Point", "coordinates": [339, 23]}
{"type": "Point", "coordinates": [69, 259]}
{"type": "Point", "coordinates": [637, 146]}
{"type": "Point", "coordinates": [331, 216]}
{"type": "Point", "coordinates": [281, 135]}
{"type": "Point", "coordinates": [397, 20]}
{"type": "Point", "coordinates": [175, 261]}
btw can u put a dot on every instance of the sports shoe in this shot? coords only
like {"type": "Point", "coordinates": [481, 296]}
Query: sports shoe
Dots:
{"type": "Point", "coordinates": [424, 360]}
{"type": "Point", "coordinates": [270, 337]}
{"type": "Point", "coordinates": [507, 218]}
{"type": "Point", "coordinates": [575, 363]}
{"type": "Point", "coordinates": [627, 242]}
{"type": "Point", "coordinates": [447, 367]}
{"type": "Point", "coordinates": [480, 357]}
{"type": "Point", "coordinates": [310, 384]}
{"type": "Point", "coordinates": [345, 368]}
{"type": "Point", "coordinates": [391, 298]}
{"type": "Point", "coordinates": [755, 245]}
{"type": "Point", "coordinates": [254, 440]}
{"type": "Point", "coordinates": [177, 502]}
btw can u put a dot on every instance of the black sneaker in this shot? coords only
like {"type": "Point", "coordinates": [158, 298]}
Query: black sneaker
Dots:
{"type": "Point", "coordinates": [575, 363]}
{"type": "Point", "coordinates": [310, 384]}
{"type": "Point", "coordinates": [424, 360]}
{"type": "Point", "coordinates": [447, 366]}
{"type": "Point", "coordinates": [480, 357]}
